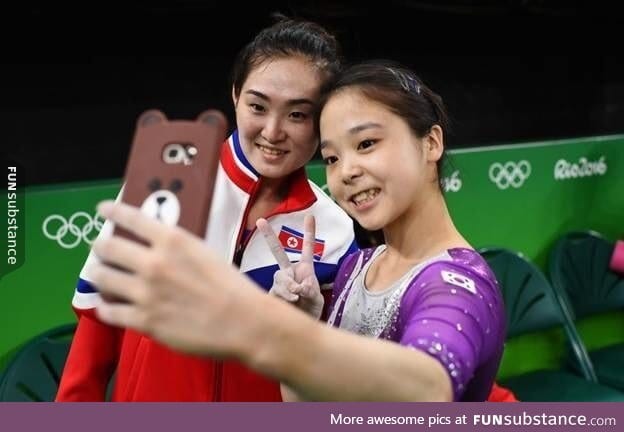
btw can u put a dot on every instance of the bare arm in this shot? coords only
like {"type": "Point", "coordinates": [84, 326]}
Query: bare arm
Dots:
{"type": "Point", "coordinates": [180, 293]}
{"type": "Point", "coordinates": [318, 362]}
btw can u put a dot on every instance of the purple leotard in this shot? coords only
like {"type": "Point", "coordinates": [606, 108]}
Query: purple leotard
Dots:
{"type": "Point", "coordinates": [449, 307]}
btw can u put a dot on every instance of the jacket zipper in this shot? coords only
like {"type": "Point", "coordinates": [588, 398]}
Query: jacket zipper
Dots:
{"type": "Point", "coordinates": [218, 371]}
{"type": "Point", "coordinates": [236, 259]}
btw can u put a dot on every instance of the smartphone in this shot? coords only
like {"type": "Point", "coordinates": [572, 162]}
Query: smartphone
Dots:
{"type": "Point", "coordinates": [172, 167]}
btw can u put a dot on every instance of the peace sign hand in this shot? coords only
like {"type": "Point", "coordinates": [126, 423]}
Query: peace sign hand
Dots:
{"type": "Point", "coordinates": [295, 282]}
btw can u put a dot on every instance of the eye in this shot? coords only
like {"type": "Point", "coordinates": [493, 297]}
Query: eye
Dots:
{"type": "Point", "coordinates": [257, 107]}
{"type": "Point", "coordinates": [329, 160]}
{"type": "Point", "coordinates": [154, 184]}
{"type": "Point", "coordinates": [297, 115]}
{"type": "Point", "coordinates": [175, 185]}
{"type": "Point", "coordinates": [363, 145]}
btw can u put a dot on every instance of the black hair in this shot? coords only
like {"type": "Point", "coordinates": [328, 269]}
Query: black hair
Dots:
{"type": "Point", "coordinates": [285, 38]}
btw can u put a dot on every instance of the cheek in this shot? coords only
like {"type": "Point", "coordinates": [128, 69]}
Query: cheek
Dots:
{"type": "Point", "coordinates": [406, 186]}
{"type": "Point", "coordinates": [304, 131]}
{"type": "Point", "coordinates": [305, 141]}
{"type": "Point", "coordinates": [333, 182]}
{"type": "Point", "coordinates": [247, 125]}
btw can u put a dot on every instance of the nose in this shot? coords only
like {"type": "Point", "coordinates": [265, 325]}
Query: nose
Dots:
{"type": "Point", "coordinates": [161, 200]}
{"type": "Point", "coordinates": [273, 132]}
{"type": "Point", "coordinates": [351, 170]}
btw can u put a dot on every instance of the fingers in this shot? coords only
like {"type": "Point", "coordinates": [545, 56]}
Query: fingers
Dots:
{"type": "Point", "coordinates": [307, 290]}
{"type": "Point", "coordinates": [309, 232]}
{"type": "Point", "coordinates": [274, 244]}
{"type": "Point", "coordinates": [120, 315]}
{"type": "Point", "coordinates": [131, 219]}
{"type": "Point", "coordinates": [283, 293]}
{"type": "Point", "coordinates": [282, 285]}
{"type": "Point", "coordinates": [121, 252]}
{"type": "Point", "coordinates": [305, 295]}
{"type": "Point", "coordinates": [116, 283]}
{"type": "Point", "coordinates": [286, 286]}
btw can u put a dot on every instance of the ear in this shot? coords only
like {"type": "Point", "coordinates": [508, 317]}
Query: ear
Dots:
{"type": "Point", "coordinates": [234, 97]}
{"type": "Point", "coordinates": [213, 118]}
{"type": "Point", "coordinates": [151, 117]}
{"type": "Point", "coordinates": [434, 144]}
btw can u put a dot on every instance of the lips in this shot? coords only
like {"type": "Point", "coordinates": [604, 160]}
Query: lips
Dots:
{"type": "Point", "coordinates": [270, 151]}
{"type": "Point", "coordinates": [365, 196]}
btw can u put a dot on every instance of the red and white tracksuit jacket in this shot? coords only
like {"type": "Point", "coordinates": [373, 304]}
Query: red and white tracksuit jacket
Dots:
{"type": "Point", "coordinates": [148, 371]}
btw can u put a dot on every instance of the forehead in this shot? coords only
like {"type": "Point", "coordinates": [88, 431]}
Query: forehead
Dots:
{"type": "Point", "coordinates": [349, 107]}
{"type": "Point", "coordinates": [291, 77]}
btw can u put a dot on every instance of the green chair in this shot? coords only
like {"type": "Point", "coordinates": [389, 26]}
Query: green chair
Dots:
{"type": "Point", "coordinates": [538, 333]}
{"type": "Point", "coordinates": [579, 271]}
{"type": "Point", "coordinates": [34, 372]}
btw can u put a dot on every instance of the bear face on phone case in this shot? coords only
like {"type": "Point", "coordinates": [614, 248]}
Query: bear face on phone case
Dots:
{"type": "Point", "coordinates": [172, 167]}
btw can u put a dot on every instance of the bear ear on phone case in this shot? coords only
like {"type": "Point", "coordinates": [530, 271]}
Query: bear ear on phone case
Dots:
{"type": "Point", "coordinates": [172, 168]}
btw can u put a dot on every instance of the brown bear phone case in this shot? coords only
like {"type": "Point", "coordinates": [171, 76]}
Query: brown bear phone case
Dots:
{"type": "Point", "coordinates": [172, 168]}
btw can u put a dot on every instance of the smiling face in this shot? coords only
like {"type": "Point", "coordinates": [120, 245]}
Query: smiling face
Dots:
{"type": "Point", "coordinates": [275, 115]}
{"type": "Point", "coordinates": [378, 170]}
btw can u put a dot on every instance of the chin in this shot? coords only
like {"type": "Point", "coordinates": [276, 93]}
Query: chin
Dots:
{"type": "Point", "coordinates": [271, 170]}
{"type": "Point", "coordinates": [369, 225]}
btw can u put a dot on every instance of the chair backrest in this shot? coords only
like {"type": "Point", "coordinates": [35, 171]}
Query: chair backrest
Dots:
{"type": "Point", "coordinates": [530, 302]}
{"type": "Point", "coordinates": [579, 270]}
{"type": "Point", "coordinates": [33, 374]}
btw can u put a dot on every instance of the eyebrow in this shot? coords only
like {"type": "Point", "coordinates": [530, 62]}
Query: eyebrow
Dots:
{"type": "Point", "coordinates": [354, 130]}
{"type": "Point", "coordinates": [299, 101]}
{"type": "Point", "coordinates": [364, 126]}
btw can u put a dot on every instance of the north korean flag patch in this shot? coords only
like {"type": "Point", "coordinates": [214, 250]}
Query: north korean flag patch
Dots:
{"type": "Point", "coordinates": [292, 241]}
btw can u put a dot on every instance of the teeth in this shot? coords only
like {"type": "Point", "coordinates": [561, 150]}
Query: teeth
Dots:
{"type": "Point", "coordinates": [365, 196]}
{"type": "Point", "coordinates": [270, 151]}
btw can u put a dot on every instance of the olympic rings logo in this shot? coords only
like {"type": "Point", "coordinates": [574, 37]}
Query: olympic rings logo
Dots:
{"type": "Point", "coordinates": [510, 173]}
{"type": "Point", "coordinates": [69, 233]}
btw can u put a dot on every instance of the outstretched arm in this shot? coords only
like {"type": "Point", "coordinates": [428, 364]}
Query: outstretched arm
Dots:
{"type": "Point", "coordinates": [180, 293]}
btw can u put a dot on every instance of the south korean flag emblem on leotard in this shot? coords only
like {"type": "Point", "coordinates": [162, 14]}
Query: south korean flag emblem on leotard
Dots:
{"type": "Point", "coordinates": [459, 280]}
